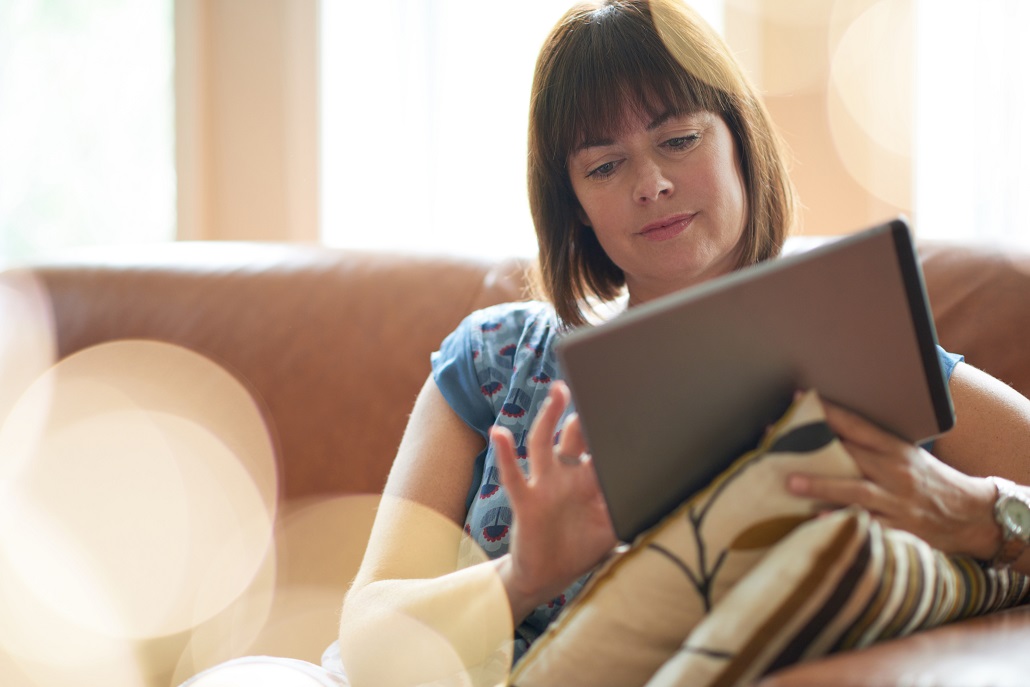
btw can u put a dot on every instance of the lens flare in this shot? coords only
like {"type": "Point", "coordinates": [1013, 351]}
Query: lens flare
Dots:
{"type": "Point", "coordinates": [781, 44]}
{"type": "Point", "coordinates": [870, 100]}
{"type": "Point", "coordinates": [321, 544]}
{"type": "Point", "coordinates": [44, 648]}
{"type": "Point", "coordinates": [418, 628]}
{"type": "Point", "coordinates": [142, 507]}
{"type": "Point", "coordinates": [231, 633]}
{"type": "Point", "coordinates": [296, 612]}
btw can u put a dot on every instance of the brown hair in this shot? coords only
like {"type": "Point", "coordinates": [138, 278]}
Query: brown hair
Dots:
{"type": "Point", "coordinates": [660, 56]}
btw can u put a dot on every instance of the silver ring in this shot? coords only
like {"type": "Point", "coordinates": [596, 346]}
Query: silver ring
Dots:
{"type": "Point", "coordinates": [566, 459]}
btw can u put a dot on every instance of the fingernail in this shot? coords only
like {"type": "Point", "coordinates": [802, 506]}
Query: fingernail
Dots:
{"type": "Point", "coordinates": [797, 484]}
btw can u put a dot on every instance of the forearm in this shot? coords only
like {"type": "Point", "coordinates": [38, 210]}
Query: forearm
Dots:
{"type": "Point", "coordinates": [979, 534]}
{"type": "Point", "coordinates": [975, 532]}
{"type": "Point", "coordinates": [429, 628]}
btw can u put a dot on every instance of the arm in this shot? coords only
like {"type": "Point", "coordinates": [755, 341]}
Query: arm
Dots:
{"type": "Point", "coordinates": [992, 432]}
{"type": "Point", "coordinates": [945, 499]}
{"type": "Point", "coordinates": [410, 567]}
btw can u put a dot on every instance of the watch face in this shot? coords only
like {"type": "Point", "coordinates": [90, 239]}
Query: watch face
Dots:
{"type": "Point", "coordinates": [1017, 517]}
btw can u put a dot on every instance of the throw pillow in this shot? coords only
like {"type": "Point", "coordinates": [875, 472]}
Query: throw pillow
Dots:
{"type": "Point", "coordinates": [638, 609]}
{"type": "Point", "coordinates": [841, 581]}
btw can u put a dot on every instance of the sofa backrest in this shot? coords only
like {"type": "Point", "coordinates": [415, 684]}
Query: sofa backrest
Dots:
{"type": "Point", "coordinates": [980, 297]}
{"type": "Point", "coordinates": [335, 344]}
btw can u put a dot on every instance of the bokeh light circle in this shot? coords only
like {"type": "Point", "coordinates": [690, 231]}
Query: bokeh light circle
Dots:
{"type": "Point", "coordinates": [870, 100]}
{"type": "Point", "coordinates": [145, 504]}
{"type": "Point", "coordinates": [459, 633]}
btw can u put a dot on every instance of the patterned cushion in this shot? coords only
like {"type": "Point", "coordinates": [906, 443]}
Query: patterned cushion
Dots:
{"type": "Point", "coordinates": [639, 608]}
{"type": "Point", "coordinates": [839, 582]}
{"type": "Point", "coordinates": [741, 579]}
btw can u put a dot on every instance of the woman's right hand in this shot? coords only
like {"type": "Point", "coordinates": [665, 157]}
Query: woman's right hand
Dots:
{"type": "Point", "coordinates": [561, 526]}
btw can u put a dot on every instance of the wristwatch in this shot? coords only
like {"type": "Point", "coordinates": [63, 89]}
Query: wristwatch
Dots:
{"type": "Point", "coordinates": [1012, 513]}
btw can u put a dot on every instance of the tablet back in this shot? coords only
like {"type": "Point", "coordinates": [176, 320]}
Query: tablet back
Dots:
{"type": "Point", "coordinates": [672, 391]}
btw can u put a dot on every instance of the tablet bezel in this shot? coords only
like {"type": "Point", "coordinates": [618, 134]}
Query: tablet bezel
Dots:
{"type": "Point", "coordinates": [623, 405]}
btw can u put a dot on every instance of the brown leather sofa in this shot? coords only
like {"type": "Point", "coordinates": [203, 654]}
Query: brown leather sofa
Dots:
{"type": "Point", "coordinates": [334, 346]}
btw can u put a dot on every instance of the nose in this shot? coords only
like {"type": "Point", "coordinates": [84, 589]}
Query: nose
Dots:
{"type": "Point", "coordinates": [651, 182]}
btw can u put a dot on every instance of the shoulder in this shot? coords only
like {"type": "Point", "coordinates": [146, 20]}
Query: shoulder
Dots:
{"type": "Point", "coordinates": [512, 317]}
{"type": "Point", "coordinates": [493, 352]}
{"type": "Point", "coordinates": [503, 325]}
{"type": "Point", "coordinates": [503, 335]}
{"type": "Point", "coordinates": [948, 361]}
{"type": "Point", "coordinates": [489, 345]}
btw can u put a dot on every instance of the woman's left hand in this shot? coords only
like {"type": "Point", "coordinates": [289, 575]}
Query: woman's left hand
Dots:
{"type": "Point", "coordinates": [907, 488]}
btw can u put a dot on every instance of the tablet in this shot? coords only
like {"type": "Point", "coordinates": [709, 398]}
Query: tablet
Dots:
{"type": "Point", "coordinates": [673, 391]}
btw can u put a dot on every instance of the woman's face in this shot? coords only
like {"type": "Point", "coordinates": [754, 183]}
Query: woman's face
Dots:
{"type": "Point", "coordinates": [665, 198]}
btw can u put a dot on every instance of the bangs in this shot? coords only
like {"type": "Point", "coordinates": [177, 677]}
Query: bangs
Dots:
{"type": "Point", "coordinates": [602, 91]}
{"type": "Point", "coordinates": [606, 64]}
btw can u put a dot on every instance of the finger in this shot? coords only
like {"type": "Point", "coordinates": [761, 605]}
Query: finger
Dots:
{"type": "Point", "coordinates": [506, 459]}
{"type": "Point", "coordinates": [880, 465]}
{"type": "Point", "coordinates": [854, 428]}
{"type": "Point", "coordinates": [841, 491]}
{"type": "Point", "coordinates": [572, 441]}
{"type": "Point", "coordinates": [541, 434]}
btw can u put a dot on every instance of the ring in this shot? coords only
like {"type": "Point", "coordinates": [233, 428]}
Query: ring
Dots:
{"type": "Point", "coordinates": [566, 459]}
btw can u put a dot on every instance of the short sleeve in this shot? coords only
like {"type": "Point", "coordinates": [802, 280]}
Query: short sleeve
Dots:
{"type": "Point", "coordinates": [455, 374]}
{"type": "Point", "coordinates": [482, 367]}
{"type": "Point", "coordinates": [948, 361]}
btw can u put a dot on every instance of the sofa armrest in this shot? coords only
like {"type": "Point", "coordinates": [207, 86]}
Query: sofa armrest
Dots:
{"type": "Point", "coordinates": [988, 651]}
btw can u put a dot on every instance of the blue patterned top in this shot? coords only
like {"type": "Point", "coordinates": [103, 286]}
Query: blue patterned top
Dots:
{"type": "Point", "coordinates": [495, 368]}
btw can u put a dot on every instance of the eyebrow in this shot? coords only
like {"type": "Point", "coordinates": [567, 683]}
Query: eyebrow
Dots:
{"type": "Point", "coordinates": [601, 142]}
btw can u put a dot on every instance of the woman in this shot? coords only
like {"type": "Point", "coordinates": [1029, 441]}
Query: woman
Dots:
{"type": "Point", "coordinates": [653, 166]}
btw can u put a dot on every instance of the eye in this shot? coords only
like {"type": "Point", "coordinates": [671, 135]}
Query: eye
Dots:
{"type": "Point", "coordinates": [682, 142]}
{"type": "Point", "coordinates": [603, 171]}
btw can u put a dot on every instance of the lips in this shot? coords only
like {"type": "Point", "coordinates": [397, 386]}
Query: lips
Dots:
{"type": "Point", "coordinates": [667, 227]}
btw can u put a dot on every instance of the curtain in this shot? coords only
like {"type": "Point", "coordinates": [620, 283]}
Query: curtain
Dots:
{"type": "Point", "coordinates": [425, 106]}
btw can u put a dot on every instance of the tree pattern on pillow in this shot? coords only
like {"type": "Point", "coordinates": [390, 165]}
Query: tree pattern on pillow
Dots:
{"type": "Point", "coordinates": [807, 438]}
{"type": "Point", "coordinates": [639, 607]}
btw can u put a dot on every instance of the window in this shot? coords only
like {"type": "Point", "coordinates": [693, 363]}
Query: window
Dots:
{"type": "Point", "coordinates": [425, 107]}
{"type": "Point", "coordinates": [972, 168]}
{"type": "Point", "coordinates": [86, 124]}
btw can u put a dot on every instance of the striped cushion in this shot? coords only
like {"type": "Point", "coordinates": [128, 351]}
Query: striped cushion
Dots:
{"type": "Point", "coordinates": [838, 582]}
